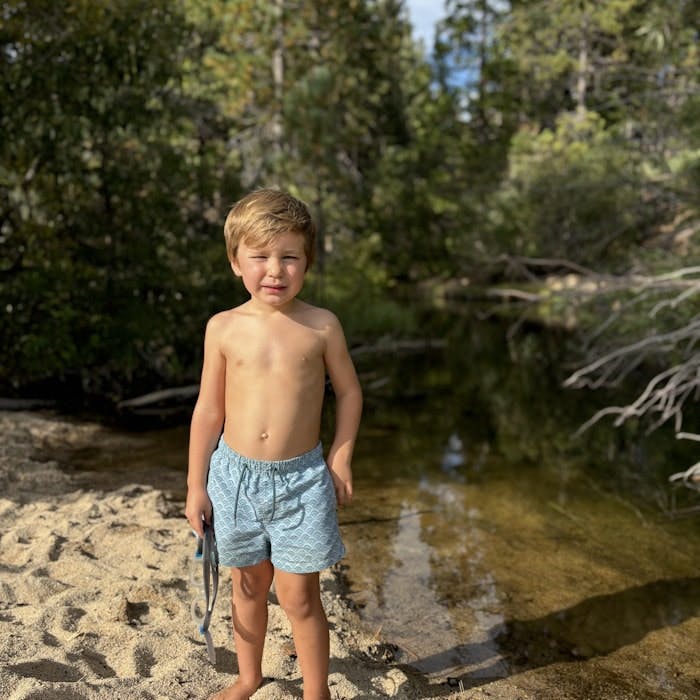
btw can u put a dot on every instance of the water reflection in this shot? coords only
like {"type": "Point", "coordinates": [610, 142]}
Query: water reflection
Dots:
{"type": "Point", "coordinates": [453, 454]}
{"type": "Point", "coordinates": [476, 609]}
{"type": "Point", "coordinates": [486, 541]}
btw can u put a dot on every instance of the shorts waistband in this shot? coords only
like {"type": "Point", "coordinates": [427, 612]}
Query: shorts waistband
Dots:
{"type": "Point", "coordinates": [302, 461]}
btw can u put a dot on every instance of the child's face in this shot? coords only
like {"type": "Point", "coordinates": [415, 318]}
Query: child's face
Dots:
{"type": "Point", "coordinates": [273, 273]}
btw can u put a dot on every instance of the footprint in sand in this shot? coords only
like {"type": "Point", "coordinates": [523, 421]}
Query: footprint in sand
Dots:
{"type": "Point", "coordinates": [47, 670]}
{"type": "Point", "coordinates": [49, 640]}
{"type": "Point", "coordinates": [7, 596]}
{"type": "Point", "coordinates": [57, 547]}
{"type": "Point", "coordinates": [96, 662]}
{"type": "Point", "coordinates": [144, 661]}
{"type": "Point", "coordinates": [40, 586]}
{"type": "Point", "coordinates": [70, 617]}
{"type": "Point", "coordinates": [55, 695]}
{"type": "Point", "coordinates": [137, 612]}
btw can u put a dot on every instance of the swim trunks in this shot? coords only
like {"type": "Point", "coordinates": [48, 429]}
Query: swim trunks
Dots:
{"type": "Point", "coordinates": [283, 511]}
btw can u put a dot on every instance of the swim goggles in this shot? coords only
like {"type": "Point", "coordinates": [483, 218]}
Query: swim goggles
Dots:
{"type": "Point", "coordinates": [208, 554]}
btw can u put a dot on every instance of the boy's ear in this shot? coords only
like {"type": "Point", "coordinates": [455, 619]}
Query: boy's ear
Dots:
{"type": "Point", "coordinates": [235, 268]}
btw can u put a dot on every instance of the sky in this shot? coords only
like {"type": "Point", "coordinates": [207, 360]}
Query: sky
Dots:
{"type": "Point", "coordinates": [423, 15]}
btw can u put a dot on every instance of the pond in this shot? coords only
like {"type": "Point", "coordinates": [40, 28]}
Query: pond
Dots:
{"type": "Point", "coordinates": [486, 540]}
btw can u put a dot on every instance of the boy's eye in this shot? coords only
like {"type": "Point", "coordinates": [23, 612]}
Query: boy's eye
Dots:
{"type": "Point", "coordinates": [291, 257]}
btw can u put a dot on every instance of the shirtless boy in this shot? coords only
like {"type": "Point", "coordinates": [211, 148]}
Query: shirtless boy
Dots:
{"type": "Point", "coordinates": [256, 467]}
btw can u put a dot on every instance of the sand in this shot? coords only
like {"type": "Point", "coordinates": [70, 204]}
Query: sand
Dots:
{"type": "Point", "coordinates": [95, 593]}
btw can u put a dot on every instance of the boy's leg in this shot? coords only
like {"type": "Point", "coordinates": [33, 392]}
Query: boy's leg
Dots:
{"type": "Point", "coordinates": [300, 598]}
{"type": "Point", "coordinates": [250, 584]}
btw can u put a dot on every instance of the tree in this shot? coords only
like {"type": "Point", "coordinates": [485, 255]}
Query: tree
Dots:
{"type": "Point", "coordinates": [101, 178]}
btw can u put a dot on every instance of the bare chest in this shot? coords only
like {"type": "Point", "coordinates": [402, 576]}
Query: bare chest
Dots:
{"type": "Point", "coordinates": [286, 352]}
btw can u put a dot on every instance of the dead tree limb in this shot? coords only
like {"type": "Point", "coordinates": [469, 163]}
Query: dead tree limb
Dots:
{"type": "Point", "coordinates": [664, 396]}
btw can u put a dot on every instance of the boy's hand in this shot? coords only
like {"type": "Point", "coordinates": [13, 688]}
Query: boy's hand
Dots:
{"type": "Point", "coordinates": [198, 508]}
{"type": "Point", "coordinates": [342, 482]}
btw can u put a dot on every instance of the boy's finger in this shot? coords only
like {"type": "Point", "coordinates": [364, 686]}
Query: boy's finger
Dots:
{"type": "Point", "coordinates": [197, 528]}
{"type": "Point", "coordinates": [198, 525]}
{"type": "Point", "coordinates": [344, 494]}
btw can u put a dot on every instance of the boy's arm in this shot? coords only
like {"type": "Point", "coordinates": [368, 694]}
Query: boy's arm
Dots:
{"type": "Point", "coordinates": [205, 429]}
{"type": "Point", "coordinates": [348, 396]}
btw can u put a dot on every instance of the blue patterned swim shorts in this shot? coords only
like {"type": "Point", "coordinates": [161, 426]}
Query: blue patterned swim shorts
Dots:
{"type": "Point", "coordinates": [283, 511]}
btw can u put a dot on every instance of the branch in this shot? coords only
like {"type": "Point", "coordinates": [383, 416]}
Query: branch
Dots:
{"type": "Point", "coordinates": [524, 263]}
{"type": "Point", "coordinates": [661, 342]}
{"type": "Point", "coordinates": [666, 393]}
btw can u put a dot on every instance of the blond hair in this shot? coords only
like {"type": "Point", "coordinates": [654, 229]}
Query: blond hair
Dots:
{"type": "Point", "coordinates": [265, 214]}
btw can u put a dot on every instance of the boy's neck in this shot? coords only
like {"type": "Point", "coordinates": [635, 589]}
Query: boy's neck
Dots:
{"type": "Point", "coordinates": [256, 306]}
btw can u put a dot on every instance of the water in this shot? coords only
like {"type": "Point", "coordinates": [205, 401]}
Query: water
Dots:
{"type": "Point", "coordinates": [486, 541]}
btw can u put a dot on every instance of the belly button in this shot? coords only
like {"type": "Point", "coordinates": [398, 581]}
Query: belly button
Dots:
{"type": "Point", "coordinates": [264, 436]}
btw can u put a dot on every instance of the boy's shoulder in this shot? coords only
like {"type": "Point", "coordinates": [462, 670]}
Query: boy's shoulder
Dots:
{"type": "Point", "coordinates": [316, 315]}
{"type": "Point", "coordinates": [221, 323]}
{"type": "Point", "coordinates": [221, 319]}
{"type": "Point", "coordinates": [229, 315]}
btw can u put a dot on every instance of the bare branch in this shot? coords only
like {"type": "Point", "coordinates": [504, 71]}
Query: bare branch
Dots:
{"type": "Point", "coordinates": [673, 303]}
{"type": "Point", "coordinates": [518, 294]}
{"type": "Point", "coordinates": [524, 263]}
{"type": "Point", "coordinates": [664, 396]}
{"type": "Point", "coordinates": [661, 342]}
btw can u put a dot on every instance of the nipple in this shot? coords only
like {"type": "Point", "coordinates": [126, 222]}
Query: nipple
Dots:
{"type": "Point", "coordinates": [264, 436]}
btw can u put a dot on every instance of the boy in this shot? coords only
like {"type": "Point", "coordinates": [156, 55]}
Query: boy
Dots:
{"type": "Point", "coordinates": [256, 468]}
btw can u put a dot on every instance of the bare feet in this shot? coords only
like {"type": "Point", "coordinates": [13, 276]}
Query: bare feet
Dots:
{"type": "Point", "coordinates": [238, 691]}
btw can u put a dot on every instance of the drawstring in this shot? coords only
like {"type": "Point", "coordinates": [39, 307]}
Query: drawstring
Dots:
{"type": "Point", "coordinates": [238, 493]}
{"type": "Point", "coordinates": [274, 472]}
{"type": "Point", "coordinates": [274, 492]}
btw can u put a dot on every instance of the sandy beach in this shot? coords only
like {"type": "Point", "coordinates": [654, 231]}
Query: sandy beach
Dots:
{"type": "Point", "coordinates": [95, 592]}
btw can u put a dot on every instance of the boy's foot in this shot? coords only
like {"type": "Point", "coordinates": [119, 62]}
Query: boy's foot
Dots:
{"type": "Point", "coordinates": [238, 691]}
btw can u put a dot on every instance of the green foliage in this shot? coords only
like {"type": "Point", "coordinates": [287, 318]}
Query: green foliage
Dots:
{"type": "Point", "coordinates": [357, 288]}
{"type": "Point", "coordinates": [539, 128]}
{"type": "Point", "coordinates": [577, 189]}
{"type": "Point", "coordinates": [568, 51]}
{"type": "Point", "coordinates": [103, 184]}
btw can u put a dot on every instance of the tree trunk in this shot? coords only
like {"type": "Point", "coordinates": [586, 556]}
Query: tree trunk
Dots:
{"type": "Point", "coordinates": [582, 67]}
{"type": "Point", "coordinates": [278, 82]}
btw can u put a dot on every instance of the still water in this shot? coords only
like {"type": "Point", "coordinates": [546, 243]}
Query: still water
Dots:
{"type": "Point", "coordinates": [486, 541]}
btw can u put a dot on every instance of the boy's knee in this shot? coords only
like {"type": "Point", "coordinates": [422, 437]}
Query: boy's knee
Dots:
{"type": "Point", "coordinates": [250, 590]}
{"type": "Point", "coordinates": [252, 585]}
{"type": "Point", "coordinates": [300, 604]}
{"type": "Point", "coordinates": [297, 608]}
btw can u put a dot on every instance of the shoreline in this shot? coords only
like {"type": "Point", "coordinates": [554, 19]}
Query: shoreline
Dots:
{"type": "Point", "coordinates": [96, 592]}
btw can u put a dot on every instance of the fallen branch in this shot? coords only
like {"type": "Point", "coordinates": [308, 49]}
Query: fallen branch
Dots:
{"type": "Point", "coordinates": [665, 395]}
{"type": "Point", "coordinates": [181, 393]}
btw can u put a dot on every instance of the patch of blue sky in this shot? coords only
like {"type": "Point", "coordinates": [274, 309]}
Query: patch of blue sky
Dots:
{"type": "Point", "coordinates": [423, 16]}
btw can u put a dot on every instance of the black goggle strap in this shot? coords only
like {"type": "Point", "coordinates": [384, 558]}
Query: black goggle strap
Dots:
{"type": "Point", "coordinates": [206, 548]}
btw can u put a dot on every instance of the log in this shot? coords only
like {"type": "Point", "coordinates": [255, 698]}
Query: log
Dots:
{"type": "Point", "coordinates": [180, 393]}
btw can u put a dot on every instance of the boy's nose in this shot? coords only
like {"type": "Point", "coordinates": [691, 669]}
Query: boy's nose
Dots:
{"type": "Point", "coordinates": [274, 267]}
